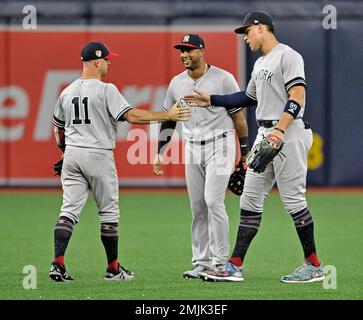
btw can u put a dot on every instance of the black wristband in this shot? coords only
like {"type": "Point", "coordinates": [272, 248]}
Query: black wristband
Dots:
{"type": "Point", "coordinates": [292, 108]}
{"type": "Point", "coordinates": [243, 144]}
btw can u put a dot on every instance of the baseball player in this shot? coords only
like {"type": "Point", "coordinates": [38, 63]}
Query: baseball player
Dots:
{"type": "Point", "coordinates": [209, 152]}
{"type": "Point", "coordinates": [277, 86]}
{"type": "Point", "coordinates": [85, 119]}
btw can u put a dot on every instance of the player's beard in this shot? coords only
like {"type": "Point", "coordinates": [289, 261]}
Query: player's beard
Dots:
{"type": "Point", "coordinates": [193, 65]}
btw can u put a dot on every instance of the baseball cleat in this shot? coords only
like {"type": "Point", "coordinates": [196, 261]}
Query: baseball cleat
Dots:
{"type": "Point", "coordinates": [228, 272]}
{"type": "Point", "coordinates": [120, 274]}
{"type": "Point", "coordinates": [194, 273]}
{"type": "Point", "coordinates": [305, 274]}
{"type": "Point", "coordinates": [58, 273]}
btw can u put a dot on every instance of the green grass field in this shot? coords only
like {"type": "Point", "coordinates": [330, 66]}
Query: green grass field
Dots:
{"type": "Point", "coordinates": [155, 244]}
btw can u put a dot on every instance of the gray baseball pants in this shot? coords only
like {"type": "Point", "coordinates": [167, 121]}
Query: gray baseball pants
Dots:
{"type": "Point", "coordinates": [88, 169]}
{"type": "Point", "coordinates": [207, 170]}
{"type": "Point", "coordinates": [288, 172]}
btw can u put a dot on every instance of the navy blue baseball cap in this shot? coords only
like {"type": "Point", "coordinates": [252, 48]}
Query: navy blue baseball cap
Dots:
{"type": "Point", "coordinates": [96, 50]}
{"type": "Point", "coordinates": [254, 18]}
{"type": "Point", "coordinates": [191, 41]}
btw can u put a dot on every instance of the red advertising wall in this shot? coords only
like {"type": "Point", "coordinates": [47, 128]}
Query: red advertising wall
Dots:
{"type": "Point", "coordinates": [3, 102]}
{"type": "Point", "coordinates": [36, 66]}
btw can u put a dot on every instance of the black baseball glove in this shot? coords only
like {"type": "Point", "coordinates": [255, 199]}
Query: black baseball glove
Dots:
{"type": "Point", "coordinates": [264, 152]}
{"type": "Point", "coordinates": [58, 167]}
{"type": "Point", "coordinates": [237, 179]}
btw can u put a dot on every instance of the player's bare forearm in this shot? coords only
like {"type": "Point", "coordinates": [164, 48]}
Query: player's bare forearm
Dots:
{"type": "Point", "coordinates": [297, 94]}
{"type": "Point", "coordinates": [145, 116]}
{"type": "Point", "coordinates": [241, 127]}
{"type": "Point", "coordinates": [285, 121]}
{"type": "Point", "coordinates": [240, 124]}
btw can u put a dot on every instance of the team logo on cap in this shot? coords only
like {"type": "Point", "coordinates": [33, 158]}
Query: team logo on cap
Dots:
{"type": "Point", "coordinates": [186, 38]}
{"type": "Point", "coordinates": [98, 53]}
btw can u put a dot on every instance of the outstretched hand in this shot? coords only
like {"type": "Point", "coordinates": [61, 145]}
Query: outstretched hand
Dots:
{"type": "Point", "coordinates": [179, 114]}
{"type": "Point", "coordinates": [199, 99]}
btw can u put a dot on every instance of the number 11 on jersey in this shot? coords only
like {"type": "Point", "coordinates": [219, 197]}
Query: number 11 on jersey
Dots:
{"type": "Point", "coordinates": [77, 119]}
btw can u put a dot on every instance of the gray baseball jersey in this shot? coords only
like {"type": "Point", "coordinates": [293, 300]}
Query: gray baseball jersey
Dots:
{"type": "Point", "coordinates": [205, 122]}
{"type": "Point", "coordinates": [88, 110]}
{"type": "Point", "coordinates": [272, 77]}
{"type": "Point", "coordinates": [208, 165]}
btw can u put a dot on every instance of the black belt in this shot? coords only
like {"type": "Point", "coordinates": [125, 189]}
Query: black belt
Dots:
{"type": "Point", "coordinates": [267, 123]}
{"type": "Point", "coordinates": [203, 142]}
{"type": "Point", "coordinates": [272, 123]}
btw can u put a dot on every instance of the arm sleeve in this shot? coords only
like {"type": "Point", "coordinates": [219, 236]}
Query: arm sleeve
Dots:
{"type": "Point", "coordinates": [293, 69]}
{"type": "Point", "coordinates": [230, 85]}
{"type": "Point", "coordinates": [167, 128]}
{"type": "Point", "coordinates": [115, 102]}
{"type": "Point", "coordinates": [166, 132]}
{"type": "Point", "coordinates": [232, 101]}
{"type": "Point", "coordinates": [58, 116]}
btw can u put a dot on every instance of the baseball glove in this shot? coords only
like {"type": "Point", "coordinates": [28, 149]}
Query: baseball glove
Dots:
{"type": "Point", "coordinates": [237, 179]}
{"type": "Point", "coordinates": [264, 152]}
{"type": "Point", "coordinates": [58, 167]}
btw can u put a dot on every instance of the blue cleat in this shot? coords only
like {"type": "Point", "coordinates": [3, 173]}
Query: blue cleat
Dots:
{"type": "Point", "coordinates": [305, 274]}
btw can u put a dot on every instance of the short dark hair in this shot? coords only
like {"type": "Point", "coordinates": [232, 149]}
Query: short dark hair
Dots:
{"type": "Point", "coordinates": [271, 29]}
